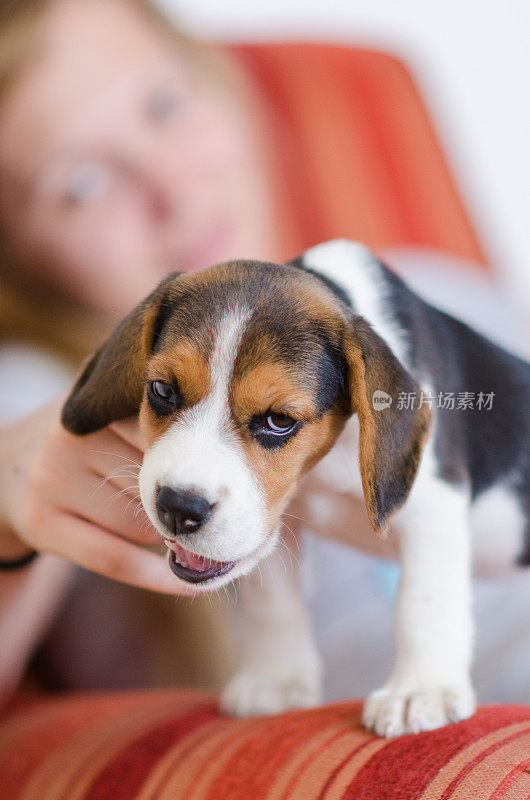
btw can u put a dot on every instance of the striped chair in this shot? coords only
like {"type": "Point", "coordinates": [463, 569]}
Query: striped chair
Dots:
{"type": "Point", "coordinates": [170, 745]}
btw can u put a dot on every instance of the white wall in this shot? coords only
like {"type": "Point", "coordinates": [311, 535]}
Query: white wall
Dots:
{"type": "Point", "coordinates": [472, 61]}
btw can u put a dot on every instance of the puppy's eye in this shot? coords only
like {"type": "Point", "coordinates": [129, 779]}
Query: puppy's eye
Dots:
{"type": "Point", "coordinates": [162, 396]}
{"type": "Point", "coordinates": [273, 429]}
{"type": "Point", "coordinates": [280, 424]}
{"type": "Point", "coordinates": [164, 391]}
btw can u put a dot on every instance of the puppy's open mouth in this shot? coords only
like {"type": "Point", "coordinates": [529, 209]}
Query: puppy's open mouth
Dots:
{"type": "Point", "coordinates": [193, 568]}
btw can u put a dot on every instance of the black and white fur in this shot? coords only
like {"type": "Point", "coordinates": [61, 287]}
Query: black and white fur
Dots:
{"type": "Point", "coordinates": [470, 503]}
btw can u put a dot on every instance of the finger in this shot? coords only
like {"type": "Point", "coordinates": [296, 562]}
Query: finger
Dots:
{"type": "Point", "coordinates": [96, 549]}
{"type": "Point", "coordinates": [116, 509]}
{"type": "Point", "coordinates": [113, 504]}
{"type": "Point", "coordinates": [129, 431]}
{"type": "Point", "coordinates": [110, 456]}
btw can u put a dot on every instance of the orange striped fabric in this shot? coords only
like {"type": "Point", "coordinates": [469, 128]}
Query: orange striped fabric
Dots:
{"type": "Point", "coordinates": [170, 745]}
{"type": "Point", "coordinates": [359, 156]}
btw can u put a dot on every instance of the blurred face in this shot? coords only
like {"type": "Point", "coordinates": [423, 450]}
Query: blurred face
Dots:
{"type": "Point", "coordinates": [120, 160]}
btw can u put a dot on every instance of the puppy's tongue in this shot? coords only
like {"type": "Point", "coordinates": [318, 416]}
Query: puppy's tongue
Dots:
{"type": "Point", "coordinates": [192, 560]}
{"type": "Point", "coordinates": [194, 568]}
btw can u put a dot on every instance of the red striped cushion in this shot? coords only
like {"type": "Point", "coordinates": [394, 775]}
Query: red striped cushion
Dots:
{"type": "Point", "coordinates": [169, 745]}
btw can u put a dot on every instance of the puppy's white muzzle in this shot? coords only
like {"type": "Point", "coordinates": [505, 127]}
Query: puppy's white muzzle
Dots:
{"type": "Point", "coordinates": [202, 459]}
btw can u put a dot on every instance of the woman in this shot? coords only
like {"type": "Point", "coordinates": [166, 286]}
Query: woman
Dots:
{"type": "Point", "coordinates": [127, 151]}
{"type": "Point", "coordinates": [105, 187]}
{"type": "Point", "coordinates": [153, 145]}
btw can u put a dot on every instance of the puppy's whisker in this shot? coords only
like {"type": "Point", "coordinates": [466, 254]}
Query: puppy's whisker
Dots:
{"type": "Point", "coordinates": [114, 478]}
{"type": "Point", "coordinates": [113, 481]}
{"type": "Point", "coordinates": [124, 468]}
{"type": "Point", "coordinates": [126, 490]}
{"type": "Point", "coordinates": [286, 547]}
{"type": "Point", "coordinates": [285, 525]}
{"type": "Point", "coordinates": [139, 509]}
{"type": "Point", "coordinates": [294, 516]}
{"type": "Point", "coordinates": [122, 492]}
{"type": "Point", "coordinates": [293, 534]}
{"type": "Point", "coordinates": [117, 455]}
{"type": "Point", "coordinates": [134, 499]}
{"type": "Point", "coordinates": [281, 561]}
{"type": "Point", "coordinates": [117, 473]}
{"type": "Point", "coordinates": [272, 572]}
{"type": "Point", "coordinates": [145, 524]}
{"type": "Point", "coordinates": [227, 590]}
{"type": "Point", "coordinates": [103, 482]}
{"type": "Point", "coordinates": [99, 484]}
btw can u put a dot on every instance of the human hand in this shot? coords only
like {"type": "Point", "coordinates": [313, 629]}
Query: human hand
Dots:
{"type": "Point", "coordinates": [77, 498]}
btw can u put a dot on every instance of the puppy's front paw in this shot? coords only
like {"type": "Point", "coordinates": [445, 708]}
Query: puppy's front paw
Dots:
{"type": "Point", "coordinates": [258, 692]}
{"type": "Point", "coordinates": [391, 712]}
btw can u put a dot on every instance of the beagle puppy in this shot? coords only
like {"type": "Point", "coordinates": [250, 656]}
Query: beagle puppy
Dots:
{"type": "Point", "coordinates": [244, 376]}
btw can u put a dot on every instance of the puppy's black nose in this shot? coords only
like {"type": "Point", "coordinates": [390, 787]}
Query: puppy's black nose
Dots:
{"type": "Point", "coordinates": [182, 511]}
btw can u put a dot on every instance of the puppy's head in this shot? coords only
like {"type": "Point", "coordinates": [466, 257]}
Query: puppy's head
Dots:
{"type": "Point", "coordinates": [244, 375]}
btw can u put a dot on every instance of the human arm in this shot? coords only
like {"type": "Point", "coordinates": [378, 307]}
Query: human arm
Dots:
{"type": "Point", "coordinates": [75, 501]}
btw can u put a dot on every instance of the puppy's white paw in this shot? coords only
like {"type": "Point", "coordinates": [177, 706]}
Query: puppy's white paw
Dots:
{"type": "Point", "coordinates": [258, 692]}
{"type": "Point", "coordinates": [391, 712]}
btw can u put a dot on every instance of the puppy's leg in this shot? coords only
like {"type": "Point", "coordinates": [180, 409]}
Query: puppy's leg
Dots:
{"type": "Point", "coordinates": [280, 666]}
{"type": "Point", "coordinates": [430, 684]}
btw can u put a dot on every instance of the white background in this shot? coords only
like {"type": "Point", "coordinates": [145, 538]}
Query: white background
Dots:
{"type": "Point", "coordinates": [471, 59]}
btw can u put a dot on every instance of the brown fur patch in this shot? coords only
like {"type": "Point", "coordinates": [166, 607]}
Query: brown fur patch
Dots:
{"type": "Point", "coordinates": [264, 381]}
{"type": "Point", "coordinates": [184, 364]}
{"type": "Point", "coordinates": [266, 385]}
{"type": "Point", "coordinates": [270, 386]}
{"type": "Point", "coordinates": [152, 427]}
{"type": "Point", "coordinates": [391, 441]}
{"type": "Point", "coordinates": [279, 469]}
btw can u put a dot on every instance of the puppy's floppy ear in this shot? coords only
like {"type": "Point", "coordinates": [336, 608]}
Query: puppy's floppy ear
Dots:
{"type": "Point", "coordinates": [110, 386]}
{"type": "Point", "coordinates": [391, 438]}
